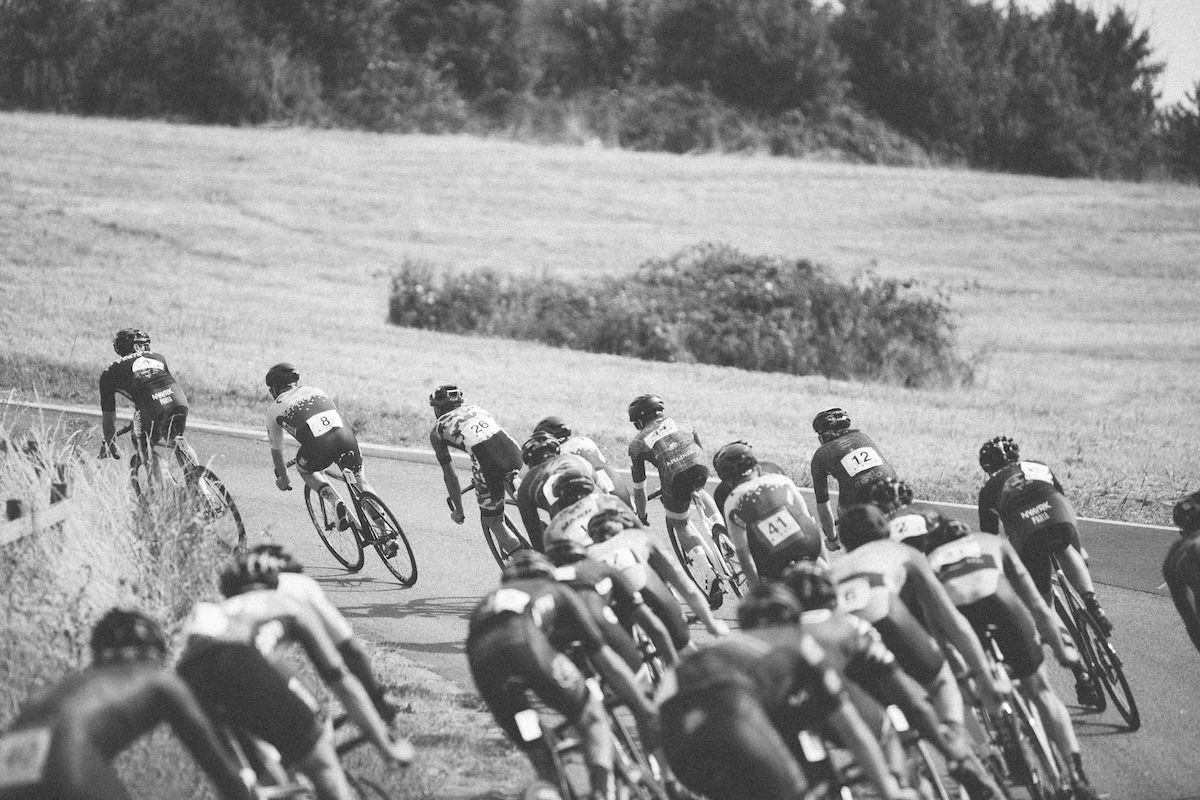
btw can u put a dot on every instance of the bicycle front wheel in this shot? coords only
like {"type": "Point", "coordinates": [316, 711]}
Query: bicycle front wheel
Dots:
{"type": "Point", "coordinates": [402, 564]}
{"type": "Point", "coordinates": [214, 502]}
{"type": "Point", "coordinates": [1107, 669]}
{"type": "Point", "coordinates": [341, 544]}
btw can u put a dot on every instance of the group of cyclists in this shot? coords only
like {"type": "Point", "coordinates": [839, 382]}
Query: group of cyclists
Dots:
{"type": "Point", "coordinates": [826, 642]}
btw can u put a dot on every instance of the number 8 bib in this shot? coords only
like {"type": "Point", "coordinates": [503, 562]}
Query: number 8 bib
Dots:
{"type": "Point", "coordinates": [324, 422]}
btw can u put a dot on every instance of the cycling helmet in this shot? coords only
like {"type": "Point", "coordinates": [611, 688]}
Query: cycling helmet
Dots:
{"type": "Point", "coordinates": [127, 340]}
{"type": "Point", "coordinates": [572, 484]}
{"type": "Point", "coordinates": [287, 561]}
{"type": "Point", "coordinates": [831, 421]}
{"type": "Point", "coordinates": [553, 426]}
{"type": "Point", "coordinates": [810, 584]}
{"type": "Point", "coordinates": [120, 629]}
{"type": "Point", "coordinates": [565, 551]}
{"type": "Point", "coordinates": [247, 571]}
{"type": "Point", "coordinates": [445, 397]}
{"type": "Point", "coordinates": [281, 375]}
{"type": "Point", "coordinates": [734, 460]}
{"type": "Point", "coordinates": [644, 407]}
{"type": "Point", "coordinates": [538, 448]}
{"type": "Point", "coordinates": [1187, 513]}
{"type": "Point", "coordinates": [527, 563]}
{"type": "Point", "coordinates": [946, 530]}
{"type": "Point", "coordinates": [768, 605]}
{"type": "Point", "coordinates": [889, 494]}
{"type": "Point", "coordinates": [608, 522]}
{"type": "Point", "coordinates": [998, 451]}
{"type": "Point", "coordinates": [861, 524]}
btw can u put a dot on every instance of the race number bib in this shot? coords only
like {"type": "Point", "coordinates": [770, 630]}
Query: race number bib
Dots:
{"type": "Point", "coordinates": [954, 552]}
{"type": "Point", "coordinates": [906, 527]}
{"type": "Point", "coordinates": [23, 757]}
{"type": "Point", "coordinates": [1036, 472]}
{"type": "Point", "coordinates": [143, 364]}
{"type": "Point", "coordinates": [477, 427]}
{"type": "Point", "coordinates": [665, 429]}
{"type": "Point", "coordinates": [324, 422]}
{"type": "Point", "coordinates": [778, 526]}
{"type": "Point", "coordinates": [512, 601]}
{"type": "Point", "coordinates": [859, 460]}
{"type": "Point", "coordinates": [854, 594]}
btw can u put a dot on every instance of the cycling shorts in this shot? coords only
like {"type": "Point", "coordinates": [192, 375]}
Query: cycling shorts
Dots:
{"type": "Point", "coordinates": [338, 446]}
{"type": "Point", "coordinates": [677, 492]}
{"type": "Point", "coordinates": [1036, 546]}
{"type": "Point", "coordinates": [805, 548]}
{"type": "Point", "coordinates": [512, 658]}
{"type": "Point", "coordinates": [160, 424]}
{"type": "Point", "coordinates": [720, 742]}
{"type": "Point", "coordinates": [492, 461]}
{"type": "Point", "coordinates": [1013, 629]}
{"type": "Point", "coordinates": [916, 651]}
{"type": "Point", "coordinates": [237, 683]}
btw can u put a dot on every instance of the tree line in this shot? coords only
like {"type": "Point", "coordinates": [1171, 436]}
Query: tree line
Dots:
{"type": "Point", "coordinates": [1063, 92]}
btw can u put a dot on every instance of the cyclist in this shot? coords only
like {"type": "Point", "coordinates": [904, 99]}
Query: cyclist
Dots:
{"type": "Point", "coordinates": [1181, 568]}
{"type": "Point", "coordinates": [495, 460]}
{"type": "Point", "coordinates": [858, 653]}
{"type": "Point", "coordinates": [515, 642]}
{"type": "Point", "coordinates": [311, 418]}
{"type": "Point", "coordinates": [1038, 519]}
{"type": "Point", "coordinates": [228, 661]}
{"type": "Point", "coordinates": [986, 580]}
{"type": "Point", "coordinates": [893, 497]}
{"type": "Point", "coordinates": [768, 520]}
{"type": "Point", "coordinates": [545, 464]}
{"type": "Point", "coordinates": [62, 743]}
{"type": "Point", "coordinates": [730, 707]}
{"type": "Point", "coordinates": [575, 500]}
{"type": "Point", "coordinates": [847, 455]}
{"type": "Point", "coordinates": [570, 442]}
{"type": "Point", "coordinates": [160, 408]}
{"type": "Point", "coordinates": [892, 586]}
{"type": "Point", "coordinates": [674, 451]}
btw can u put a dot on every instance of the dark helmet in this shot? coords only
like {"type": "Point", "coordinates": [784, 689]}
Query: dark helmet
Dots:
{"type": "Point", "coordinates": [889, 494]}
{"type": "Point", "coordinates": [608, 522]}
{"type": "Point", "coordinates": [768, 605]}
{"type": "Point", "coordinates": [572, 484]}
{"type": "Point", "coordinates": [945, 530]}
{"type": "Point", "coordinates": [811, 585]}
{"type": "Point", "coordinates": [861, 524]}
{"type": "Point", "coordinates": [538, 448]}
{"type": "Point", "coordinates": [998, 451]}
{"type": "Point", "coordinates": [1187, 513]}
{"type": "Point", "coordinates": [553, 426]}
{"type": "Point", "coordinates": [445, 397]}
{"type": "Point", "coordinates": [281, 375]}
{"type": "Point", "coordinates": [127, 340]}
{"type": "Point", "coordinates": [565, 551]}
{"type": "Point", "coordinates": [287, 561]}
{"type": "Point", "coordinates": [247, 571]}
{"type": "Point", "coordinates": [527, 563]}
{"type": "Point", "coordinates": [831, 421]}
{"type": "Point", "coordinates": [644, 407]}
{"type": "Point", "coordinates": [121, 628]}
{"type": "Point", "coordinates": [734, 460]}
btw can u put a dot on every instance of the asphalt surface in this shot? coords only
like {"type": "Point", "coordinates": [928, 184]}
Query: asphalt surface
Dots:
{"type": "Point", "coordinates": [428, 621]}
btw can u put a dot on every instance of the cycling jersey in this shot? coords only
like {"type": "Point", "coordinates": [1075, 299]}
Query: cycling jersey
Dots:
{"type": "Point", "coordinates": [310, 417]}
{"type": "Point", "coordinates": [721, 493]}
{"type": "Point", "coordinates": [911, 527]}
{"type": "Point", "coordinates": [494, 454]}
{"type": "Point", "coordinates": [674, 451]}
{"type": "Point", "coordinates": [854, 461]}
{"type": "Point", "coordinates": [770, 509]}
{"type": "Point", "coordinates": [160, 405]}
{"type": "Point", "coordinates": [585, 448]}
{"type": "Point", "coordinates": [571, 522]}
{"type": "Point", "coordinates": [637, 557]}
{"type": "Point", "coordinates": [302, 587]}
{"type": "Point", "coordinates": [537, 491]}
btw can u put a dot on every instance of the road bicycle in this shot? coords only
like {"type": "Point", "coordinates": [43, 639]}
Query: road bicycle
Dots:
{"type": "Point", "coordinates": [1099, 656]}
{"type": "Point", "coordinates": [372, 525]}
{"type": "Point", "coordinates": [193, 484]}
{"type": "Point", "coordinates": [499, 552]}
{"type": "Point", "coordinates": [714, 538]}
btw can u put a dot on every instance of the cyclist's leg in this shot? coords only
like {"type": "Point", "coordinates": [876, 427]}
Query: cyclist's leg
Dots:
{"type": "Point", "coordinates": [491, 489]}
{"type": "Point", "coordinates": [322, 767]}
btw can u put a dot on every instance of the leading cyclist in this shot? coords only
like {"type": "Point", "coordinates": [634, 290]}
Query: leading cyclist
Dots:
{"type": "Point", "coordinates": [1181, 568]}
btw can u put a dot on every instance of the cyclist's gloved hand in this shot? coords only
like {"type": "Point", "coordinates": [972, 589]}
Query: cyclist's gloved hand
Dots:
{"type": "Point", "coordinates": [400, 752]}
{"type": "Point", "coordinates": [833, 543]}
{"type": "Point", "coordinates": [644, 519]}
{"type": "Point", "coordinates": [108, 449]}
{"type": "Point", "coordinates": [282, 482]}
{"type": "Point", "coordinates": [455, 514]}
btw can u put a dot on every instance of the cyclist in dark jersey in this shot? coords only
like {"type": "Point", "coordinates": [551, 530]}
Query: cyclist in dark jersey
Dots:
{"type": "Point", "coordinates": [1181, 568]}
{"type": "Point", "coordinates": [893, 497]}
{"type": "Point", "coordinates": [576, 501]}
{"type": "Point", "coordinates": [160, 408]}
{"type": "Point", "coordinates": [229, 663]}
{"type": "Point", "coordinates": [850, 457]}
{"type": "Point", "coordinates": [545, 463]}
{"type": "Point", "coordinates": [62, 743]}
{"type": "Point", "coordinates": [571, 442]}
{"type": "Point", "coordinates": [516, 640]}
{"type": "Point", "coordinates": [730, 708]}
{"type": "Point", "coordinates": [767, 518]}
{"type": "Point", "coordinates": [1038, 519]}
{"type": "Point", "coordinates": [495, 460]}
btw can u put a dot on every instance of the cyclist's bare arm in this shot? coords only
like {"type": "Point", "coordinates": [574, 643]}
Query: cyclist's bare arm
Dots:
{"type": "Point", "coordinates": [637, 476]}
{"type": "Point", "coordinates": [281, 471]}
{"type": "Point", "coordinates": [857, 736]}
{"type": "Point", "coordinates": [1047, 622]}
{"type": "Point", "coordinates": [672, 575]}
{"type": "Point", "coordinates": [449, 476]}
{"type": "Point", "coordinates": [193, 728]}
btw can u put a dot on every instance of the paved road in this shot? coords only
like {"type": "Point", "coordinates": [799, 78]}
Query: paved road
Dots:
{"type": "Point", "coordinates": [428, 621]}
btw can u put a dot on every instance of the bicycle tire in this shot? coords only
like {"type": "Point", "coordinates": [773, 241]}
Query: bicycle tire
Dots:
{"type": "Point", "coordinates": [737, 580]}
{"type": "Point", "coordinates": [682, 558]}
{"type": "Point", "coordinates": [631, 766]}
{"type": "Point", "coordinates": [217, 503]}
{"type": "Point", "coordinates": [494, 545]}
{"type": "Point", "coordinates": [403, 565]}
{"type": "Point", "coordinates": [367, 789]}
{"type": "Point", "coordinates": [337, 542]}
{"type": "Point", "coordinates": [1052, 764]}
{"type": "Point", "coordinates": [1107, 669]}
{"type": "Point", "coordinates": [1066, 611]}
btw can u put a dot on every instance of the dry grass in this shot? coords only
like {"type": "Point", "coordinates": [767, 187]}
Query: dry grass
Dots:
{"type": "Point", "coordinates": [238, 248]}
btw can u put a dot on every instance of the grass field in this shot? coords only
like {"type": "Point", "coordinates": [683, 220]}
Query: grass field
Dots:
{"type": "Point", "coordinates": [237, 248]}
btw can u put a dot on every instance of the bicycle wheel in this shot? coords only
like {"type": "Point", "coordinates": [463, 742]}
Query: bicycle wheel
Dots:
{"type": "Point", "coordinates": [342, 545]}
{"type": "Point", "coordinates": [1054, 771]}
{"type": "Point", "coordinates": [214, 502]}
{"type": "Point", "coordinates": [1106, 668]}
{"type": "Point", "coordinates": [684, 562]}
{"type": "Point", "coordinates": [367, 789]}
{"type": "Point", "coordinates": [386, 529]}
{"type": "Point", "coordinates": [494, 545]}
{"type": "Point", "coordinates": [737, 581]}
{"type": "Point", "coordinates": [1068, 611]}
{"type": "Point", "coordinates": [632, 768]}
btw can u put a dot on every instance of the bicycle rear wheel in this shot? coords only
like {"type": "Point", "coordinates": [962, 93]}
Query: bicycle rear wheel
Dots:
{"type": "Point", "coordinates": [684, 562]}
{"type": "Point", "coordinates": [402, 565]}
{"type": "Point", "coordinates": [737, 580]}
{"type": "Point", "coordinates": [1106, 668]}
{"type": "Point", "coordinates": [215, 504]}
{"type": "Point", "coordinates": [1067, 612]}
{"type": "Point", "coordinates": [494, 545]}
{"type": "Point", "coordinates": [342, 545]}
{"type": "Point", "coordinates": [1050, 764]}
